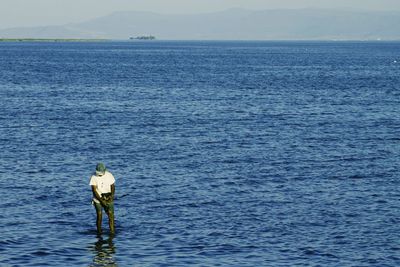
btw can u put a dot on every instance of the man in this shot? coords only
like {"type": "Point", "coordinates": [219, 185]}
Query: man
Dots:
{"type": "Point", "coordinates": [103, 188]}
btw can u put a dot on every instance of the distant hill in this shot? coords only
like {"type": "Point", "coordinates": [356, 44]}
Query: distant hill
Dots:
{"type": "Point", "coordinates": [232, 24]}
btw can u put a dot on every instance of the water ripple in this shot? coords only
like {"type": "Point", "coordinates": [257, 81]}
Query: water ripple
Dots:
{"type": "Point", "coordinates": [225, 153]}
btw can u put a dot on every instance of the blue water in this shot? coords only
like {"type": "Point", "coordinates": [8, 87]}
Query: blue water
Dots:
{"type": "Point", "coordinates": [225, 153]}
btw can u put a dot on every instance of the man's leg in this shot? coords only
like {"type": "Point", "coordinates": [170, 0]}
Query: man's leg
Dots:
{"type": "Point", "coordinates": [99, 217]}
{"type": "Point", "coordinates": [110, 214]}
{"type": "Point", "coordinates": [111, 222]}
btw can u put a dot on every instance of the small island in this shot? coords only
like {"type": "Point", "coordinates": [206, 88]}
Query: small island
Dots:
{"type": "Point", "coordinates": [143, 37]}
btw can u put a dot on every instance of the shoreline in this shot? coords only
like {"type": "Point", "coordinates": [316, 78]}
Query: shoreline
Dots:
{"type": "Point", "coordinates": [51, 40]}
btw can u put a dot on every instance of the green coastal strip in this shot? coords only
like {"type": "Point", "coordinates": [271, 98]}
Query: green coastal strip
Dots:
{"type": "Point", "coordinates": [51, 40]}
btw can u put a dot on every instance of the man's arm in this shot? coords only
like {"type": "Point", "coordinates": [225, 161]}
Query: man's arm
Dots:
{"type": "Point", "coordinates": [96, 195]}
{"type": "Point", "coordinates": [112, 191]}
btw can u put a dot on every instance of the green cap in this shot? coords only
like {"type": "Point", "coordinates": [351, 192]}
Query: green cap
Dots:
{"type": "Point", "coordinates": [100, 169]}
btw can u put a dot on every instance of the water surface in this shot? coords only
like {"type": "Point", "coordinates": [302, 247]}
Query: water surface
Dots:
{"type": "Point", "coordinates": [225, 153]}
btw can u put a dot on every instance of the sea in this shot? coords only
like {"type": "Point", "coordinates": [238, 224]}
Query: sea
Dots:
{"type": "Point", "coordinates": [225, 153]}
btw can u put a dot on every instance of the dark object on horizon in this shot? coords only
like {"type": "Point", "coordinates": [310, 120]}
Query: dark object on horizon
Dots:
{"type": "Point", "coordinates": [143, 37]}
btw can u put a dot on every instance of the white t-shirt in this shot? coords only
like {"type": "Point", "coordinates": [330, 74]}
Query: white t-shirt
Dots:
{"type": "Point", "coordinates": [102, 183]}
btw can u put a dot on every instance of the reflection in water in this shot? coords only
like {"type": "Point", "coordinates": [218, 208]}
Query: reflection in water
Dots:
{"type": "Point", "coordinates": [103, 250]}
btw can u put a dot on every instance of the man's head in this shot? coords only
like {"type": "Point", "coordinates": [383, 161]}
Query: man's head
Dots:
{"type": "Point", "coordinates": [100, 169]}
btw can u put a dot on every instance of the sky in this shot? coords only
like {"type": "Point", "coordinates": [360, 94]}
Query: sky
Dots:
{"type": "Point", "coordinates": [20, 13]}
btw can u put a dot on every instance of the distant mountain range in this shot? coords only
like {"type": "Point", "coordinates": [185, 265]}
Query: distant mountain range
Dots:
{"type": "Point", "coordinates": [232, 24]}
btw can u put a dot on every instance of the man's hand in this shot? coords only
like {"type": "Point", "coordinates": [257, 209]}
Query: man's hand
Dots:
{"type": "Point", "coordinates": [107, 197]}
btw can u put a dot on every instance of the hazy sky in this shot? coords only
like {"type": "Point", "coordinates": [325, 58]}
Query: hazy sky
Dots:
{"type": "Point", "coordinates": [16, 13]}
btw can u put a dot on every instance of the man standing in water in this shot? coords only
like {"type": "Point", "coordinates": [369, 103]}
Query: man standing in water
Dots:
{"type": "Point", "coordinates": [103, 188]}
